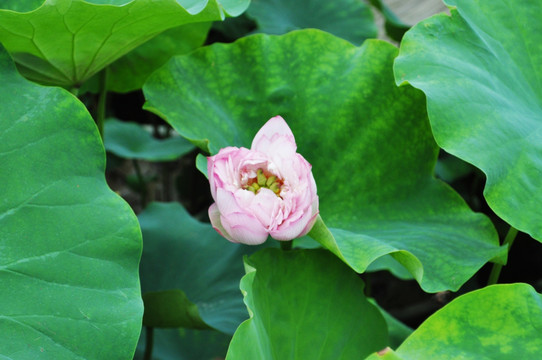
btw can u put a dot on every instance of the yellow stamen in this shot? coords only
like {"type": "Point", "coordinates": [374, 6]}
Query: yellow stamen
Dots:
{"type": "Point", "coordinates": [270, 180]}
{"type": "Point", "coordinates": [262, 181]}
{"type": "Point", "coordinates": [261, 177]}
{"type": "Point", "coordinates": [275, 188]}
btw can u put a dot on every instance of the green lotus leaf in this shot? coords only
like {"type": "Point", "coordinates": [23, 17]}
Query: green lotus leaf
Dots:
{"type": "Point", "coordinates": [498, 322]}
{"type": "Point", "coordinates": [185, 344]}
{"type": "Point", "coordinates": [65, 42]}
{"type": "Point", "coordinates": [390, 264]}
{"type": "Point", "coordinates": [292, 316]}
{"type": "Point", "coordinates": [349, 19]}
{"type": "Point", "coordinates": [181, 253]}
{"type": "Point", "coordinates": [70, 247]}
{"type": "Point", "coordinates": [130, 71]}
{"type": "Point", "coordinates": [131, 141]}
{"type": "Point", "coordinates": [480, 71]}
{"type": "Point", "coordinates": [369, 143]}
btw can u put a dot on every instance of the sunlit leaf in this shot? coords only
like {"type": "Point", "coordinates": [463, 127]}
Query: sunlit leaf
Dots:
{"type": "Point", "coordinates": [480, 69]}
{"type": "Point", "coordinates": [498, 322]}
{"type": "Point", "coordinates": [65, 42]}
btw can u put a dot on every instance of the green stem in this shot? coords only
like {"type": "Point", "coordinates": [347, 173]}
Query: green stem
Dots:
{"type": "Point", "coordinates": [496, 270]}
{"type": "Point", "coordinates": [149, 342]}
{"type": "Point", "coordinates": [100, 111]}
{"type": "Point", "coordinates": [286, 245]}
{"type": "Point", "coordinates": [141, 183]}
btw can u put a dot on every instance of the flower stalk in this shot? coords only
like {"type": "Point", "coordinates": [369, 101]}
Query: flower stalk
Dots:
{"type": "Point", "coordinates": [286, 245]}
{"type": "Point", "coordinates": [496, 270]}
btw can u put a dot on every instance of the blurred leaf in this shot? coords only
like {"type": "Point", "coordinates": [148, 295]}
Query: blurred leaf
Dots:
{"type": "Point", "coordinates": [65, 42]}
{"type": "Point", "coordinates": [180, 253]}
{"type": "Point", "coordinates": [449, 168]}
{"type": "Point", "coordinates": [395, 28]}
{"type": "Point", "coordinates": [480, 69]}
{"type": "Point", "coordinates": [70, 247]}
{"type": "Point", "coordinates": [498, 322]}
{"type": "Point", "coordinates": [21, 5]}
{"type": "Point", "coordinates": [233, 28]}
{"type": "Point", "coordinates": [171, 309]}
{"type": "Point", "coordinates": [184, 344]}
{"type": "Point", "coordinates": [293, 316]}
{"type": "Point", "coordinates": [131, 141]}
{"type": "Point", "coordinates": [369, 142]}
{"type": "Point", "coordinates": [351, 20]}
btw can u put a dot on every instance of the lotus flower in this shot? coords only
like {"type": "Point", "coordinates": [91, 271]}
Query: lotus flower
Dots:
{"type": "Point", "coordinates": [266, 191]}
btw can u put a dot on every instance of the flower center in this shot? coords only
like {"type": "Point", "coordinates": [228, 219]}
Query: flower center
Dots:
{"type": "Point", "coordinates": [264, 180]}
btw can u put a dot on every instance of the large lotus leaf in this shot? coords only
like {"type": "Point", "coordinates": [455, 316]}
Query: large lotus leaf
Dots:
{"type": "Point", "coordinates": [130, 71]}
{"type": "Point", "coordinates": [131, 141]}
{"type": "Point", "coordinates": [65, 42]}
{"type": "Point", "coordinates": [349, 19]}
{"type": "Point", "coordinates": [369, 143]}
{"type": "Point", "coordinates": [292, 316]}
{"type": "Point", "coordinates": [498, 322]}
{"type": "Point", "coordinates": [181, 253]}
{"type": "Point", "coordinates": [480, 69]}
{"type": "Point", "coordinates": [69, 246]}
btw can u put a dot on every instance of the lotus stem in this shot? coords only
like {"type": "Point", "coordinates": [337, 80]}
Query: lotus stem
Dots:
{"type": "Point", "coordinates": [496, 270]}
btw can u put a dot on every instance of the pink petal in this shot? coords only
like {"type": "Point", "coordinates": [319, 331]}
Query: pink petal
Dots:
{"type": "Point", "coordinates": [279, 149]}
{"type": "Point", "coordinates": [214, 216]}
{"type": "Point", "coordinates": [227, 203]}
{"type": "Point", "coordinates": [220, 167]}
{"type": "Point", "coordinates": [265, 207]}
{"type": "Point", "coordinates": [241, 225]}
{"type": "Point", "coordinates": [290, 229]}
{"type": "Point", "coordinates": [311, 222]}
{"type": "Point", "coordinates": [244, 228]}
{"type": "Point", "coordinates": [297, 224]}
{"type": "Point", "coordinates": [274, 131]}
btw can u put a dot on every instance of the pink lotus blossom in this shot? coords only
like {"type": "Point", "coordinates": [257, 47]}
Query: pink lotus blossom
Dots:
{"type": "Point", "coordinates": [267, 190]}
